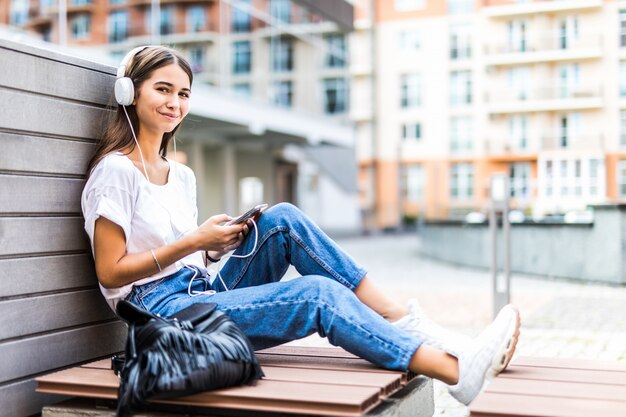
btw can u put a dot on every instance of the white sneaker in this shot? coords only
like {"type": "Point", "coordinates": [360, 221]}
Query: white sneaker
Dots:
{"type": "Point", "coordinates": [488, 355]}
{"type": "Point", "coordinates": [419, 325]}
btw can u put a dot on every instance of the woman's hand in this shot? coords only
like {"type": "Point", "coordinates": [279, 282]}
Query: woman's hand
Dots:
{"type": "Point", "coordinates": [213, 235]}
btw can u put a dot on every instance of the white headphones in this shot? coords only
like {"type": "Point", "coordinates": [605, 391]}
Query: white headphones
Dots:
{"type": "Point", "coordinates": [124, 88]}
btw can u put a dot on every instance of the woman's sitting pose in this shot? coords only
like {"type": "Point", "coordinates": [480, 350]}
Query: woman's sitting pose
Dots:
{"type": "Point", "coordinates": [141, 216]}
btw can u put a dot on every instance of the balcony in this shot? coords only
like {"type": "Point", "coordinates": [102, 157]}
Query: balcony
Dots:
{"type": "Point", "coordinates": [587, 142]}
{"type": "Point", "coordinates": [540, 7]}
{"type": "Point", "coordinates": [545, 49]}
{"type": "Point", "coordinates": [552, 97]}
{"type": "Point", "coordinates": [509, 149]}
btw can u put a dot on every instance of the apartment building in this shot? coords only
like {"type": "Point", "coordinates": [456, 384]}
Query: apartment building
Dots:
{"type": "Point", "coordinates": [281, 69]}
{"type": "Point", "coordinates": [465, 89]}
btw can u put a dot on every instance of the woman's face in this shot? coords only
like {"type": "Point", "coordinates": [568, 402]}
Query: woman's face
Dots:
{"type": "Point", "coordinates": [163, 100]}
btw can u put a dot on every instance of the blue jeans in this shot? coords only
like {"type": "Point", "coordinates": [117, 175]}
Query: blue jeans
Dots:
{"type": "Point", "coordinates": [271, 312]}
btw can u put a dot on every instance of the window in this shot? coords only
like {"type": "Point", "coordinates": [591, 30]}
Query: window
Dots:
{"type": "Point", "coordinates": [250, 192]}
{"type": "Point", "coordinates": [196, 19]}
{"type": "Point", "coordinates": [80, 2]}
{"type": "Point", "coordinates": [460, 6]}
{"type": "Point", "coordinates": [241, 57]}
{"type": "Point", "coordinates": [241, 21]}
{"type": "Point", "coordinates": [519, 174]}
{"type": "Point", "coordinates": [282, 54]}
{"type": "Point", "coordinates": [622, 128]}
{"type": "Point", "coordinates": [622, 78]}
{"type": "Point", "coordinates": [409, 5]}
{"type": "Point", "coordinates": [460, 134]}
{"type": "Point", "coordinates": [116, 1]}
{"type": "Point", "coordinates": [18, 12]}
{"type": "Point", "coordinates": [460, 87]}
{"type": "Point", "coordinates": [596, 173]}
{"type": "Point", "coordinates": [412, 131]}
{"type": "Point", "coordinates": [242, 89]}
{"type": "Point", "coordinates": [413, 183]}
{"type": "Point", "coordinates": [569, 76]}
{"type": "Point", "coordinates": [569, 129]}
{"type": "Point", "coordinates": [283, 93]}
{"type": "Point", "coordinates": [460, 42]}
{"type": "Point", "coordinates": [409, 39]}
{"type": "Point", "coordinates": [549, 178]}
{"type": "Point", "coordinates": [118, 26]}
{"type": "Point", "coordinates": [518, 131]}
{"type": "Point", "coordinates": [336, 95]}
{"type": "Point", "coordinates": [519, 82]}
{"type": "Point", "coordinates": [44, 4]}
{"type": "Point", "coordinates": [281, 10]}
{"type": "Point", "coordinates": [517, 36]}
{"type": "Point", "coordinates": [196, 58]}
{"type": "Point", "coordinates": [410, 94]}
{"type": "Point", "coordinates": [167, 20]}
{"type": "Point", "coordinates": [462, 181]}
{"type": "Point", "coordinates": [81, 26]}
{"type": "Point", "coordinates": [335, 51]}
{"type": "Point", "coordinates": [564, 177]}
{"type": "Point", "coordinates": [568, 31]}
{"type": "Point", "coordinates": [622, 28]}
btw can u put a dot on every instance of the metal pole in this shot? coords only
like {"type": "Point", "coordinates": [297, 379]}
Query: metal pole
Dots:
{"type": "Point", "coordinates": [62, 22]}
{"type": "Point", "coordinates": [501, 283]}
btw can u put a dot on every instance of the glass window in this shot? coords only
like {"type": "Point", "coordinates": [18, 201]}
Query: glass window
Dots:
{"type": "Point", "coordinates": [196, 58]}
{"type": "Point", "coordinates": [460, 41]}
{"type": "Point", "coordinates": [460, 87]}
{"type": "Point", "coordinates": [519, 82]}
{"type": "Point", "coordinates": [596, 177]}
{"type": "Point", "coordinates": [517, 36]}
{"type": "Point", "coordinates": [622, 28]}
{"type": "Point", "coordinates": [518, 131]}
{"type": "Point", "coordinates": [622, 78]}
{"type": "Point", "coordinates": [569, 77]}
{"type": "Point", "coordinates": [549, 170]}
{"type": "Point", "coordinates": [282, 54]}
{"type": "Point", "coordinates": [335, 51]}
{"type": "Point", "coordinates": [18, 12]}
{"type": "Point", "coordinates": [622, 128]}
{"type": "Point", "coordinates": [196, 19]}
{"type": "Point", "coordinates": [462, 181]}
{"type": "Point", "coordinates": [242, 89]}
{"type": "Point", "coordinates": [167, 23]}
{"type": "Point", "coordinates": [47, 3]}
{"type": "Point", "coordinates": [80, 2]}
{"type": "Point", "coordinates": [283, 93]}
{"type": "Point", "coordinates": [80, 26]}
{"type": "Point", "coordinates": [621, 178]}
{"type": "Point", "coordinates": [568, 31]}
{"type": "Point", "coordinates": [250, 192]}
{"type": "Point", "coordinates": [409, 39]}
{"type": "Point", "coordinates": [336, 95]}
{"type": "Point", "coordinates": [241, 57]}
{"type": "Point", "coordinates": [460, 6]}
{"type": "Point", "coordinates": [412, 131]}
{"type": "Point", "coordinates": [408, 5]}
{"type": "Point", "coordinates": [461, 134]}
{"type": "Point", "coordinates": [241, 20]}
{"type": "Point", "coordinates": [519, 174]}
{"type": "Point", "coordinates": [410, 90]}
{"type": "Point", "coordinates": [117, 1]}
{"type": "Point", "coordinates": [118, 26]}
{"type": "Point", "coordinates": [281, 10]}
{"type": "Point", "coordinates": [413, 183]}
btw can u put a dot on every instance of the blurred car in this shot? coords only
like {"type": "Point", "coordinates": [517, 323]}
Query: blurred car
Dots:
{"type": "Point", "coordinates": [516, 216]}
{"type": "Point", "coordinates": [585, 216]}
{"type": "Point", "coordinates": [475, 217]}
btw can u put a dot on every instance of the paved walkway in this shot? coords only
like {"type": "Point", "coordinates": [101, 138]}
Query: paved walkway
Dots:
{"type": "Point", "coordinates": [559, 318]}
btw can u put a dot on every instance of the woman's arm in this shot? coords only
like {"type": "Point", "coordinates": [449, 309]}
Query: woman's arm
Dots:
{"type": "Point", "coordinates": [116, 268]}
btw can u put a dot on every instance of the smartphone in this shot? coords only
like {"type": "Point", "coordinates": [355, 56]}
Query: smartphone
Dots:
{"type": "Point", "coordinates": [247, 215]}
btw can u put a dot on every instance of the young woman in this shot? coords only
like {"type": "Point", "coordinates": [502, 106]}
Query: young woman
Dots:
{"type": "Point", "coordinates": [140, 214]}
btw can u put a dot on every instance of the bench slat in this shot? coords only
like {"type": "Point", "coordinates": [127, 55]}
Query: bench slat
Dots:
{"type": "Point", "coordinates": [45, 273]}
{"type": "Point", "coordinates": [45, 235]}
{"type": "Point", "coordinates": [29, 194]}
{"type": "Point", "coordinates": [25, 153]}
{"type": "Point", "coordinates": [599, 365]}
{"type": "Point", "coordinates": [558, 389]}
{"type": "Point", "coordinates": [565, 375]}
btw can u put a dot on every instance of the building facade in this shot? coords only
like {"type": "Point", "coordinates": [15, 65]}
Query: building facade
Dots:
{"type": "Point", "coordinates": [284, 56]}
{"type": "Point", "coordinates": [465, 89]}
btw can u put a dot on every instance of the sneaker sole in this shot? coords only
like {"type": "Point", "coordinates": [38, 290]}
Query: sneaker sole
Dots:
{"type": "Point", "coordinates": [502, 358]}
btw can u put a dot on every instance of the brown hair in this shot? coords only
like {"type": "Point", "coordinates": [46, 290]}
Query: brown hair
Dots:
{"type": "Point", "coordinates": [117, 133]}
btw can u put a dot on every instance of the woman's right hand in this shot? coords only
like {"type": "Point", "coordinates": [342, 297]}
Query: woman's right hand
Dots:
{"type": "Point", "coordinates": [214, 235]}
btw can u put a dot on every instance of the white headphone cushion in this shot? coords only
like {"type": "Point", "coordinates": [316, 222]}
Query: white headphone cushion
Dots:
{"type": "Point", "coordinates": [124, 91]}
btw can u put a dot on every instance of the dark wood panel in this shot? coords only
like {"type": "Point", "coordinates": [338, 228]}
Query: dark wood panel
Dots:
{"type": "Point", "coordinates": [42, 75]}
{"type": "Point", "coordinates": [30, 315]}
{"type": "Point", "coordinates": [46, 155]}
{"type": "Point", "coordinates": [27, 194]}
{"type": "Point", "coordinates": [47, 273]}
{"type": "Point", "coordinates": [32, 113]}
{"type": "Point", "coordinates": [20, 399]}
{"type": "Point", "coordinates": [42, 234]}
{"type": "Point", "coordinates": [35, 355]}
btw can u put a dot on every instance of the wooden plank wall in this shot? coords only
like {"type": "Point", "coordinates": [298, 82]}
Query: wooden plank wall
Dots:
{"type": "Point", "coordinates": [51, 313]}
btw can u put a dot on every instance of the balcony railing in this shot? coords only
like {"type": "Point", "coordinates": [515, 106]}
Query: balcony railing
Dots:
{"type": "Point", "coordinates": [510, 146]}
{"type": "Point", "coordinates": [547, 43]}
{"type": "Point", "coordinates": [571, 141]}
{"type": "Point", "coordinates": [549, 92]}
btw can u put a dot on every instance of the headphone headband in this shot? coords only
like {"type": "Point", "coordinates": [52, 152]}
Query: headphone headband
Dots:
{"type": "Point", "coordinates": [121, 70]}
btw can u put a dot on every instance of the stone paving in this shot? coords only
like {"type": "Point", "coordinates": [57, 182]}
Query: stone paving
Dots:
{"type": "Point", "coordinates": [560, 318]}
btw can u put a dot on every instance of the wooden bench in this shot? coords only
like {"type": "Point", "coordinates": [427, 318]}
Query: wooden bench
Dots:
{"type": "Point", "coordinates": [554, 387]}
{"type": "Point", "coordinates": [298, 380]}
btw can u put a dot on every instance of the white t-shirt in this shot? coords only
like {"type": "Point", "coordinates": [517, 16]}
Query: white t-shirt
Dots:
{"type": "Point", "coordinates": [150, 215]}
